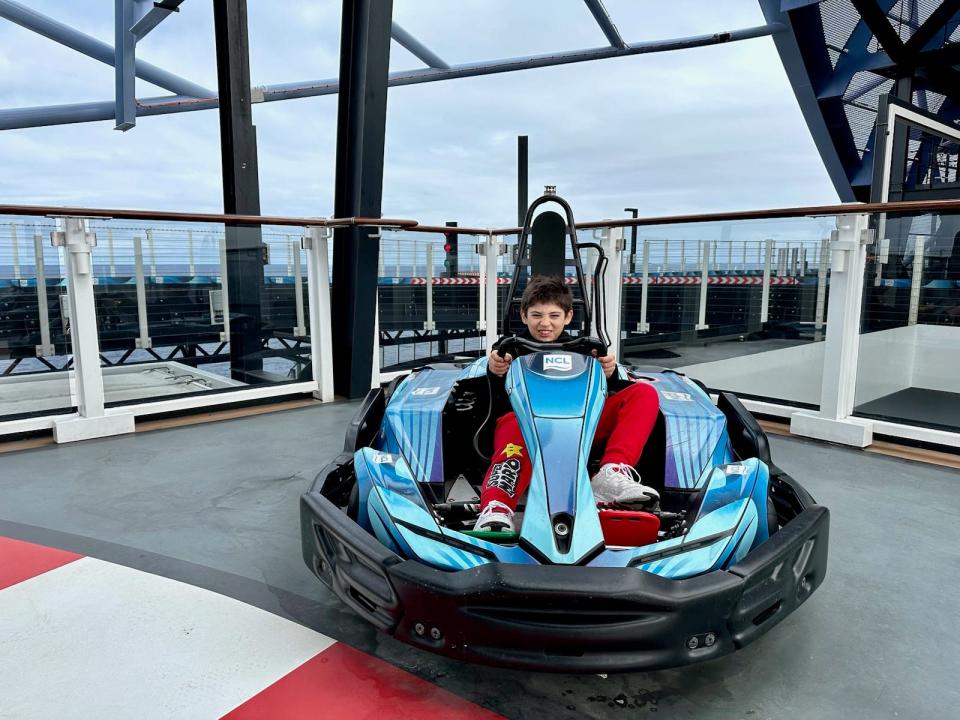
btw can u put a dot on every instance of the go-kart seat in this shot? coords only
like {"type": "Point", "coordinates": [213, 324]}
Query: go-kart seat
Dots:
{"type": "Point", "coordinates": [653, 459]}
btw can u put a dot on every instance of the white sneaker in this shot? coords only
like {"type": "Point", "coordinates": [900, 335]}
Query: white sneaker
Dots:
{"type": "Point", "coordinates": [620, 483]}
{"type": "Point", "coordinates": [495, 517]}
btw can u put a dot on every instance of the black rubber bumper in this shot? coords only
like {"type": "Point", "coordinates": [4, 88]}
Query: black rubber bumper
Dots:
{"type": "Point", "coordinates": [563, 618]}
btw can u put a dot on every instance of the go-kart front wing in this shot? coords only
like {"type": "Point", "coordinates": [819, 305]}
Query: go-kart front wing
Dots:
{"type": "Point", "coordinates": [566, 618]}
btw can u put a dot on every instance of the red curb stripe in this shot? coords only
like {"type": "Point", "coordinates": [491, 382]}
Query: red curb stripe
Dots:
{"type": "Point", "coordinates": [343, 682]}
{"type": "Point", "coordinates": [21, 561]}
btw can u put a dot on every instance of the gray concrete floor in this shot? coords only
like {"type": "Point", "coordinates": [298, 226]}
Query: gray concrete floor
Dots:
{"type": "Point", "coordinates": [703, 352]}
{"type": "Point", "coordinates": [216, 505]}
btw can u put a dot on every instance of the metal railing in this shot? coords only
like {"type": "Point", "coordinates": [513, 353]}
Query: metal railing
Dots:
{"type": "Point", "coordinates": [725, 296]}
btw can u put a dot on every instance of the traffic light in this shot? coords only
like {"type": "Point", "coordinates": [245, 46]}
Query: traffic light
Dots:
{"type": "Point", "coordinates": [450, 252]}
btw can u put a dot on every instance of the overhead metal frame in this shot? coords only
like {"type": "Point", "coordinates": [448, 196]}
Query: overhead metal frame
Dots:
{"type": "Point", "coordinates": [838, 84]}
{"type": "Point", "coordinates": [133, 19]}
{"type": "Point", "coordinates": [188, 97]}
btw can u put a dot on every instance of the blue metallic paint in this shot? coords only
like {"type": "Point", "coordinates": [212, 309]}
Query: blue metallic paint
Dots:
{"type": "Point", "coordinates": [559, 410]}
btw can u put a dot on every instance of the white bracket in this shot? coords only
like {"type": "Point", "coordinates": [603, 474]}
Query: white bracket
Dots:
{"type": "Point", "coordinates": [79, 245]}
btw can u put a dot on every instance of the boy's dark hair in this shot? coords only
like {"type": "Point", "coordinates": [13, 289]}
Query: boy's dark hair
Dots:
{"type": "Point", "coordinates": [547, 289]}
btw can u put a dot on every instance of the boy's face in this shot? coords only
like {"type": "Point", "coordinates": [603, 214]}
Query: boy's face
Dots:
{"type": "Point", "coordinates": [546, 321]}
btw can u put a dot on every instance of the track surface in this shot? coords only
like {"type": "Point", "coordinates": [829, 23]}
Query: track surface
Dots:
{"type": "Point", "coordinates": [214, 507]}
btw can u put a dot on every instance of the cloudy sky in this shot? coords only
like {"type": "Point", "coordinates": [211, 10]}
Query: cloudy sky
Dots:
{"type": "Point", "coordinates": [708, 129]}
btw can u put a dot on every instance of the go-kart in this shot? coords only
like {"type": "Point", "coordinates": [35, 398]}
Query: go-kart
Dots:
{"type": "Point", "coordinates": [732, 546]}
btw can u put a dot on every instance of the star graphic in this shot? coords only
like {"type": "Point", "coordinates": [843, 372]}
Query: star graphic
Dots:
{"type": "Point", "coordinates": [512, 450]}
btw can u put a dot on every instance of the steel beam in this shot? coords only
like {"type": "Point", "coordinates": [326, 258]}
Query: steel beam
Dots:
{"type": "Point", "coordinates": [124, 65]}
{"type": "Point", "coordinates": [793, 63]}
{"type": "Point", "coordinates": [421, 51]}
{"type": "Point", "coordinates": [91, 112]}
{"type": "Point", "coordinates": [76, 40]}
{"type": "Point", "coordinates": [154, 16]}
{"type": "Point", "coordinates": [361, 129]}
{"type": "Point", "coordinates": [600, 14]}
{"type": "Point", "coordinates": [241, 190]}
{"type": "Point", "coordinates": [523, 173]}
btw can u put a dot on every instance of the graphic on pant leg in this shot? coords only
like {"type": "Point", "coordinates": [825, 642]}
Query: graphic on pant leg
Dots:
{"type": "Point", "coordinates": [512, 450]}
{"type": "Point", "coordinates": [504, 475]}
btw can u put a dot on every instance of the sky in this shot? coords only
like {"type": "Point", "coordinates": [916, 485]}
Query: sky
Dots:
{"type": "Point", "coordinates": [708, 129]}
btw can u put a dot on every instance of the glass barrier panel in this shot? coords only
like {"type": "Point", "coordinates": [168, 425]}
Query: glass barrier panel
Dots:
{"type": "Point", "coordinates": [36, 376]}
{"type": "Point", "coordinates": [755, 329]}
{"type": "Point", "coordinates": [428, 298]}
{"type": "Point", "coordinates": [910, 323]}
{"type": "Point", "coordinates": [169, 327]}
{"type": "Point", "coordinates": [286, 305]}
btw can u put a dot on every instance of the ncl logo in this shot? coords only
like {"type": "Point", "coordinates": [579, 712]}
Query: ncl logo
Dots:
{"type": "Point", "coordinates": [562, 363]}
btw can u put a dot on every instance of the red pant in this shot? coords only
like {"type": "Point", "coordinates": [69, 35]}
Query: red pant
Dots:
{"type": "Point", "coordinates": [625, 424]}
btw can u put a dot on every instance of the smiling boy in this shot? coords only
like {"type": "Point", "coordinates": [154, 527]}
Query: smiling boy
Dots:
{"type": "Point", "coordinates": [626, 422]}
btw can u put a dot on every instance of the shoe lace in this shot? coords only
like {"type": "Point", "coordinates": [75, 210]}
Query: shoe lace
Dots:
{"type": "Point", "coordinates": [496, 506]}
{"type": "Point", "coordinates": [629, 470]}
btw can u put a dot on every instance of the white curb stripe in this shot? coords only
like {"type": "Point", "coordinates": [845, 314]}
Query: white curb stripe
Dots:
{"type": "Point", "coordinates": [96, 640]}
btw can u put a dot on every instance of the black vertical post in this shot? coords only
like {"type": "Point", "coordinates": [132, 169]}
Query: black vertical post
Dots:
{"type": "Point", "coordinates": [902, 90]}
{"type": "Point", "coordinates": [241, 188]}
{"type": "Point", "coordinates": [451, 265]}
{"type": "Point", "coordinates": [361, 129]}
{"type": "Point", "coordinates": [522, 176]}
{"type": "Point", "coordinates": [633, 239]}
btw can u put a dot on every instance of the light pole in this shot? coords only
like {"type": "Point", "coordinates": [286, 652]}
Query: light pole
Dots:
{"type": "Point", "coordinates": [633, 239]}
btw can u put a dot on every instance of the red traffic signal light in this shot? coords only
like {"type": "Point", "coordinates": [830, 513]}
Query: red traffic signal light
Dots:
{"type": "Point", "coordinates": [448, 247]}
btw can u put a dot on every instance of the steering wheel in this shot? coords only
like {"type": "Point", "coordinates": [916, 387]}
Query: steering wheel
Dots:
{"type": "Point", "coordinates": [517, 346]}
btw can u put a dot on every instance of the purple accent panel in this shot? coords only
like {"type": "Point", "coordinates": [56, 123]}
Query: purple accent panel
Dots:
{"type": "Point", "coordinates": [671, 479]}
{"type": "Point", "coordinates": [436, 465]}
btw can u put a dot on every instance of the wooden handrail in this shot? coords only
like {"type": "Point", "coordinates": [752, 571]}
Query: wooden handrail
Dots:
{"type": "Point", "coordinates": [911, 207]}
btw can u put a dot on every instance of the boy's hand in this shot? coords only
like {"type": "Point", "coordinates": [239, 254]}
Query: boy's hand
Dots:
{"type": "Point", "coordinates": [608, 363]}
{"type": "Point", "coordinates": [499, 365]}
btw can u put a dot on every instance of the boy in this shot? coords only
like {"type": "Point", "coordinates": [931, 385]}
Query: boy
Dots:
{"type": "Point", "coordinates": [628, 417]}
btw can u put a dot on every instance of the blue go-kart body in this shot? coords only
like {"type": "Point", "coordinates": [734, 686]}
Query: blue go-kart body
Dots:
{"type": "Point", "coordinates": [386, 525]}
{"type": "Point", "coordinates": [558, 398]}
{"type": "Point", "coordinates": [732, 547]}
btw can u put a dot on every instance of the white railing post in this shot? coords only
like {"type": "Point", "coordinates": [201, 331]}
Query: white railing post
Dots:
{"type": "Point", "coordinates": [294, 250]}
{"type": "Point", "coordinates": [16, 251]}
{"type": "Point", "coordinates": [916, 279]}
{"type": "Point", "coordinates": [821, 305]}
{"type": "Point", "coordinates": [143, 341]}
{"type": "Point", "coordinates": [643, 327]}
{"type": "Point", "coordinates": [152, 249]}
{"type": "Point", "coordinates": [191, 263]}
{"type": "Point", "coordinates": [315, 242]}
{"type": "Point", "coordinates": [704, 284]}
{"type": "Point", "coordinates": [111, 255]}
{"type": "Point", "coordinates": [224, 292]}
{"type": "Point", "coordinates": [833, 422]}
{"type": "Point", "coordinates": [428, 325]}
{"type": "Point", "coordinates": [491, 254]}
{"type": "Point", "coordinates": [45, 348]}
{"type": "Point", "coordinates": [93, 421]}
{"type": "Point", "coordinates": [765, 292]}
{"type": "Point", "coordinates": [613, 245]}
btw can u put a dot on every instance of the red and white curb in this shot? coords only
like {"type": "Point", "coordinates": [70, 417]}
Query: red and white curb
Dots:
{"type": "Point", "coordinates": [84, 638]}
{"type": "Point", "coordinates": [630, 280]}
